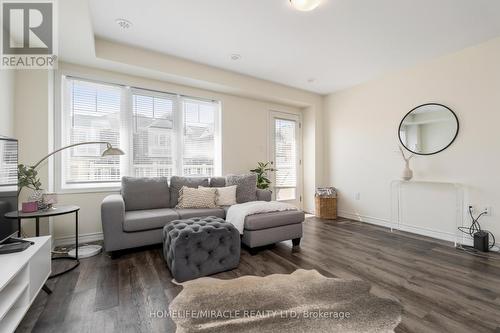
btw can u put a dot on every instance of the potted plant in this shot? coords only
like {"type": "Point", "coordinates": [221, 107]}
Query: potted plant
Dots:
{"type": "Point", "coordinates": [28, 177]}
{"type": "Point", "coordinates": [262, 169]}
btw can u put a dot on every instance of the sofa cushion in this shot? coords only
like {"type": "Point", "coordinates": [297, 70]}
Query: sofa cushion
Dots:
{"type": "Point", "coordinates": [274, 219]}
{"type": "Point", "coordinates": [176, 183]}
{"type": "Point", "coordinates": [140, 220]}
{"type": "Point", "coordinates": [247, 186]}
{"type": "Point", "coordinates": [217, 181]}
{"type": "Point", "coordinates": [188, 213]}
{"type": "Point", "coordinates": [201, 197]}
{"type": "Point", "coordinates": [145, 193]}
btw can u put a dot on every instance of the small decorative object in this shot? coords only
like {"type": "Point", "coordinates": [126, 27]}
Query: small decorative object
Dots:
{"type": "Point", "coordinates": [29, 207]}
{"type": "Point", "coordinates": [263, 181]}
{"type": "Point", "coordinates": [407, 172]}
{"type": "Point", "coordinates": [37, 196]}
{"type": "Point", "coordinates": [50, 199]}
{"type": "Point", "coordinates": [28, 177]}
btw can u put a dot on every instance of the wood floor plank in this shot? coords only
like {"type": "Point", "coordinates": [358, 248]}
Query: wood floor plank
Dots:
{"type": "Point", "coordinates": [441, 288]}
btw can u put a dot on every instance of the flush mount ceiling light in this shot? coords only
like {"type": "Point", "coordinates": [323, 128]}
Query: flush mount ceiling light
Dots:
{"type": "Point", "coordinates": [123, 23]}
{"type": "Point", "coordinates": [305, 5]}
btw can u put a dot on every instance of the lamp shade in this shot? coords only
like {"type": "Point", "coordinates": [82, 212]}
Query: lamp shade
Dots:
{"type": "Point", "coordinates": [110, 151]}
{"type": "Point", "coordinates": [305, 5]}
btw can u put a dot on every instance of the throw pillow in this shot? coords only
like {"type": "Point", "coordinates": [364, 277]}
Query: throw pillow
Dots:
{"type": "Point", "coordinates": [196, 197]}
{"type": "Point", "coordinates": [145, 193]}
{"type": "Point", "coordinates": [247, 186]}
{"type": "Point", "coordinates": [226, 196]}
{"type": "Point", "coordinates": [177, 182]}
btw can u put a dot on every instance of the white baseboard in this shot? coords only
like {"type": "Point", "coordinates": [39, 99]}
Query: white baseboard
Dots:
{"type": "Point", "coordinates": [450, 237]}
{"type": "Point", "coordinates": [82, 238]}
{"type": "Point", "coordinates": [368, 219]}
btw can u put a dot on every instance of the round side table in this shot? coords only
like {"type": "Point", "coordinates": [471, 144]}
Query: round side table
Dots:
{"type": "Point", "coordinates": [56, 211]}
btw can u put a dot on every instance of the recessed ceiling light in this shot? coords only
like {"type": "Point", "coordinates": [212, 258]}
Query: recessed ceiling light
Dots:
{"type": "Point", "coordinates": [123, 23]}
{"type": "Point", "coordinates": [305, 5]}
{"type": "Point", "coordinates": [235, 56]}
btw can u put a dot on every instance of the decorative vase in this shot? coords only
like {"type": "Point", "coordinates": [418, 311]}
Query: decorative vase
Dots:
{"type": "Point", "coordinates": [407, 172]}
{"type": "Point", "coordinates": [37, 196]}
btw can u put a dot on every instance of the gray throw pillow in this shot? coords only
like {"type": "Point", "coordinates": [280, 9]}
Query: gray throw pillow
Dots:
{"type": "Point", "coordinates": [218, 182]}
{"type": "Point", "coordinates": [247, 186]}
{"type": "Point", "coordinates": [145, 193]}
{"type": "Point", "coordinates": [176, 183]}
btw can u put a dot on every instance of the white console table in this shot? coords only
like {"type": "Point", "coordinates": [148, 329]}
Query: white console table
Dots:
{"type": "Point", "coordinates": [22, 276]}
{"type": "Point", "coordinates": [429, 208]}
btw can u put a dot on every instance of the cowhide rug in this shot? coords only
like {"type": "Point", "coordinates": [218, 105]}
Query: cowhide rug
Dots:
{"type": "Point", "coordinates": [304, 301]}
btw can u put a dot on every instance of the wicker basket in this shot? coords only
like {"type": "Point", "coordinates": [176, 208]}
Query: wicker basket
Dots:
{"type": "Point", "coordinates": [326, 208]}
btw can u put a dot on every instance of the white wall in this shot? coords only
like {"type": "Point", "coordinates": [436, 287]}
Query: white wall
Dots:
{"type": "Point", "coordinates": [244, 128]}
{"type": "Point", "coordinates": [32, 127]}
{"type": "Point", "coordinates": [7, 79]}
{"type": "Point", "coordinates": [361, 133]}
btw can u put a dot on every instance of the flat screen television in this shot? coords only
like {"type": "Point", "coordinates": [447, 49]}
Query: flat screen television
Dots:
{"type": "Point", "coordinates": [8, 186]}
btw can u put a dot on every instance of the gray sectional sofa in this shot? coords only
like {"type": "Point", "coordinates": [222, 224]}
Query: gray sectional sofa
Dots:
{"type": "Point", "coordinates": [136, 217]}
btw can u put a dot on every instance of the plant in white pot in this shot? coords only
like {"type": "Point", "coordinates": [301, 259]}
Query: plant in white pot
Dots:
{"type": "Point", "coordinates": [407, 172]}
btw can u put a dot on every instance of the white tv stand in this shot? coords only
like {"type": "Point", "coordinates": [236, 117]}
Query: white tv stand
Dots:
{"type": "Point", "coordinates": [22, 276]}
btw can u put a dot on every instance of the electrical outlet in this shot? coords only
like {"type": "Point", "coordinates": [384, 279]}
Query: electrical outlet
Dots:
{"type": "Point", "coordinates": [487, 211]}
{"type": "Point", "coordinates": [357, 196]}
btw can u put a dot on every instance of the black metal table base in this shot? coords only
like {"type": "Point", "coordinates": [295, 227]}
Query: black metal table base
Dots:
{"type": "Point", "coordinates": [66, 270]}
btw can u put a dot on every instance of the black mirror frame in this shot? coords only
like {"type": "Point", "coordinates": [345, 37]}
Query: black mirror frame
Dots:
{"type": "Point", "coordinates": [426, 104]}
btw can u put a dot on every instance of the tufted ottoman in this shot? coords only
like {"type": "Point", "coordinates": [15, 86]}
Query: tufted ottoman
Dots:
{"type": "Point", "coordinates": [198, 247]}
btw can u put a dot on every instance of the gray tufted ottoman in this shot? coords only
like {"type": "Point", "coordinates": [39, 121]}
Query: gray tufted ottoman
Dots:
{"type": "Point", "coordinates": [198, 247]}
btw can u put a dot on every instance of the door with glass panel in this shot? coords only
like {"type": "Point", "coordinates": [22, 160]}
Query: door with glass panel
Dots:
{"type": "Point", "coordinates": [285, 149]}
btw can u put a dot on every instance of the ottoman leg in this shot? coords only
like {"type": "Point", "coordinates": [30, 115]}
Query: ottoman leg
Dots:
{"type": "Point", "coordinates": [296, 241]}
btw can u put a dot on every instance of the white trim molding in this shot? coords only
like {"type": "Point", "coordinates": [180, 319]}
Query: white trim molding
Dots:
{"type": "Point", "coordinates": [384, 222]}
{"type": "Point", "coordinates": [82, 238]}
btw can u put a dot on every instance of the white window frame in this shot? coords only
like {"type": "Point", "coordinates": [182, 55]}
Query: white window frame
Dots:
{"type": "Point", "coordinates": [61, 130]}
{"type": "Point", "coordinates": [273, 114]}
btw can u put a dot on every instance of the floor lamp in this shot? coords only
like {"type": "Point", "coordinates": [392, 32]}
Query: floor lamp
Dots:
{"type": "Point", "coordinates": [86, 251]}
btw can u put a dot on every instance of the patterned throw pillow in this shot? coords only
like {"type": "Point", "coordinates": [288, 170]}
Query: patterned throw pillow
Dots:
{"type": "Point", "coordinates": [226, 196]}
{"type": "Point", "coordinates": [197, 197]}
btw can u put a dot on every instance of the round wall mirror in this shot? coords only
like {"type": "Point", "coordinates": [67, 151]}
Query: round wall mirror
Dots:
{"type": "Point", "coordinates": [428, 129]}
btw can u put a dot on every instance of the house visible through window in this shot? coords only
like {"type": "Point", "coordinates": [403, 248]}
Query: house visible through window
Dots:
{"type": "Point", "coordinates": [162, 134]}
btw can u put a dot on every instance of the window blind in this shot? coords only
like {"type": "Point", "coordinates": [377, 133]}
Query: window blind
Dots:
{"type": "Point", "coordinates": [198, 137]}
{"type": "Point", "coordinates": [8, 163]}
{"type": "Point", "coordinates": [162, 134]}
{"type": "Point", "coordinates": [153, 135]}
{"type": "Point", "coordinates": [285, 153]}
{"type": "Point", "coordinates": [94, 111]}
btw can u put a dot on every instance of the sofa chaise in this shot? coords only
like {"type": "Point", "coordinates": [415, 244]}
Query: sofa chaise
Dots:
{"type": "Point", "coordinates": [137, 216]}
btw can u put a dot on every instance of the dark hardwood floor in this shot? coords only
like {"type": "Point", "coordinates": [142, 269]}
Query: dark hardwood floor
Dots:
{"type": "Point", "coordinates": [442, 289]}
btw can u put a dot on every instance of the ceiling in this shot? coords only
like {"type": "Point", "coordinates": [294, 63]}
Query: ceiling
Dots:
{"type": "Point", "coordinates": [340, 44]}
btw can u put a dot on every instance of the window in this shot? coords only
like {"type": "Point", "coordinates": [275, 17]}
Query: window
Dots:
{"type": "Point", "coordinates": [198, 147]}
{"type": "Point", "coordinates": [162, 134]}
{"type": "Point", "coordinates": [285, 156]}
{"type": "Point", "coordinates": [153, 135]}
{"type": "Point", "coordinates": [93, 114]}
{"type": "Point", "coordinates": [8, 164]}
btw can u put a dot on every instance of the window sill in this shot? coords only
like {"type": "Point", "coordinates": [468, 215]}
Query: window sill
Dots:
{"type": "Point", "coordinates": [88, 189]}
